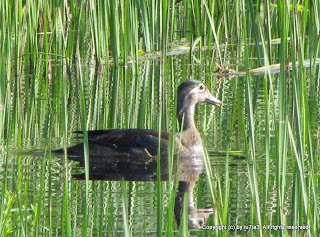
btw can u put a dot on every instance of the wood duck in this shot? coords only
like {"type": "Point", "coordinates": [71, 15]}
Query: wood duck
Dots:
{"type": "Point", "coordinates": [142, 144]}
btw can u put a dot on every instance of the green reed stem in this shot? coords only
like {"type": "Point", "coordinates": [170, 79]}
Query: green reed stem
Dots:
{"type": "Point", "coordinates": [251, 149]}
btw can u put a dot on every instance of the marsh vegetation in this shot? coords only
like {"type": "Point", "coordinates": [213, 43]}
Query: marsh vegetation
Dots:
{"type": "Point", "coordinates": [84, 65]}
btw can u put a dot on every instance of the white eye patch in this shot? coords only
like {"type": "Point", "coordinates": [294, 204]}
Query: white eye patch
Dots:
{"type": "Point", "coordinates": [197, 89]}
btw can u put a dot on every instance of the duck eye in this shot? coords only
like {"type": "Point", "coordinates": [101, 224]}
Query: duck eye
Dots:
{"type": "Point", "coordinates": [201, 87]}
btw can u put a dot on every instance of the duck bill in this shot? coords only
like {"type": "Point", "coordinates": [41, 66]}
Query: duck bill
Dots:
{"type": "Point", "coordinates": [213, 100]}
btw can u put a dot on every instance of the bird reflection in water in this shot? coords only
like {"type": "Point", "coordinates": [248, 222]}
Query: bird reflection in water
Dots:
{"type": "Point", "coordinates": [115, 169]}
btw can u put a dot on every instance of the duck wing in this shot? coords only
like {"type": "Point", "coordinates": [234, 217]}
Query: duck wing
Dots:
{"type": "Point", "coordinates": [131, 141]}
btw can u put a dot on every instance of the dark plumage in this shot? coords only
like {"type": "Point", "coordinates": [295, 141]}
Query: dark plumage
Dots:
{"type": "Point", "coordinates": [142, 144]}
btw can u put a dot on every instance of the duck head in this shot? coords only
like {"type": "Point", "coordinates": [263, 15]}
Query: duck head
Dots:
{"type": "Point", "coordinates": [190, 93]}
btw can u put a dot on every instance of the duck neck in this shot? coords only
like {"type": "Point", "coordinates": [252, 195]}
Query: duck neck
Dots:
{"type": "Point", "coordinates": [186, 118]}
